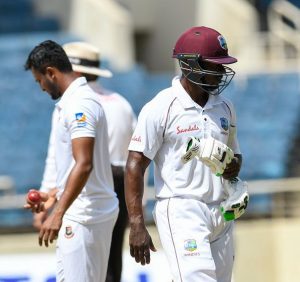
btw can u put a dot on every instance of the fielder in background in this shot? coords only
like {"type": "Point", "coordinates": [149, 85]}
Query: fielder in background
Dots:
{"type": "Point", "coordinates": [121, 121]}
{"type": "Point", "coordinates": [189, 131]}
{"type": "Point", "coordinates": [86, 206]}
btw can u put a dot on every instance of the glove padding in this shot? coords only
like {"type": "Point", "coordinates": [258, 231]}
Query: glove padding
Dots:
{"type": "Point", "coordinates": [236, 203]}
{"type": "Point", "coordinates": [210, 151]}
{"type": "Point", "coordinates": [193, 150]}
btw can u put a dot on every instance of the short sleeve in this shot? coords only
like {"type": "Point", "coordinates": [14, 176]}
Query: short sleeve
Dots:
{"type": "Point", "coordinates": [233, 140]}
{"type": "Point", "coordinates": [148, 134]}
{"type": "Point", "coordinates": [82, 118]}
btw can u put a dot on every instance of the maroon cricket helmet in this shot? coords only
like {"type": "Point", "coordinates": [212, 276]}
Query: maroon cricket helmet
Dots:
{"type": "Point", "coordinates": [209, 44]}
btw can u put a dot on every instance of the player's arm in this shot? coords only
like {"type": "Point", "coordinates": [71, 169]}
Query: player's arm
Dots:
{"type": "Point", "coordinates": [49, 178]}
{"type": "Point", "coordinates": [82, 149]}
{"type": "Point", "coordinates": [139, 239]}
{"type": "Point", "coordinates": [232, 170]}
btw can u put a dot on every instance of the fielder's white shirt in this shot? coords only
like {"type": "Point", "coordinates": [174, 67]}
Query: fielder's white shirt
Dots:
{"type": "Point", "coordinates": [121, 122]}
{"type": "Point", "coordinates": [81, 115]}
{"type": "Point", "coordinates": [161, 134]}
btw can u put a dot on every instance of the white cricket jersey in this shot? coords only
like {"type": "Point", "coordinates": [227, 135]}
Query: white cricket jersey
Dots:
{"type": "Point", "coordinates": [81, 115]}
{"type": "Point", "coordinates": [121, 122]}
{"type": "Point", "coordinates": [161, 134]}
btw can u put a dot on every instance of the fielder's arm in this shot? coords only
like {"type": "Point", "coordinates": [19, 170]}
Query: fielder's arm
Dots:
{"type": "Point", "coordinates": [140, 241]}
{"type": "Point", "coordinates": [82, 149]}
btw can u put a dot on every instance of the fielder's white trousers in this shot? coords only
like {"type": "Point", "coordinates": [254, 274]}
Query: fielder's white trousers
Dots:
{"type": "Point", "coordinates": [82, 251]}
{"type": "Point", "coordinates": [197, 241]}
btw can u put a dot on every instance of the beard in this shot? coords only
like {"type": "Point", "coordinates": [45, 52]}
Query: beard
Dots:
{"type": "Point", "coordinates": [53, 90]}
{"type": "Point", "coordinates": [55, 96]}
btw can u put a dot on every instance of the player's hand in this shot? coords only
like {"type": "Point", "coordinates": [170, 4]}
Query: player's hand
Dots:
{"type": "Point", "coordinates": [192, 150]}
{"type": "Point", "coordinates": [233, 168]}
{"type": "Point", "coordinates": [49, 204]}
{"type": "Point", "coordinates": [37, 206]}
{"type": "Point", "coordinates": [38, 219]}
{"type": "Point", "coordinates": [140, 243]}
{"type": "Point", "coordinates": [49, 229]}
{"type": "Point", "coordinates": [213, 153]}
{"type": "Point", "coordinates": [236, 203]}
{"type": "Point", "coordinates": [216, 155]}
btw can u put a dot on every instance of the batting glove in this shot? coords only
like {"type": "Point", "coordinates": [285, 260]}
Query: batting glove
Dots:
{"type": "Point", "coordinates": [236, 203]}
{"type": "Point", "coordinates": [210, 151]}
{"type": "Point", "coordinates": [192, 150]}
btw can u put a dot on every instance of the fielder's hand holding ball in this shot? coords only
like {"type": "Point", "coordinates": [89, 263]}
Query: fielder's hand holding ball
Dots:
{"type": "Point", "coordinates": [35, 200]}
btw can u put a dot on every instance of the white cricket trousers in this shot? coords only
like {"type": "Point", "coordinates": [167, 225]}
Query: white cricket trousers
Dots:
{"type": "Point", "coordinates": [197, 241]}
{"type": "Point", "coordinates": [82, 251]}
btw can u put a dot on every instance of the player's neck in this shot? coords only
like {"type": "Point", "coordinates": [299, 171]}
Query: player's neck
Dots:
{"type": "Point", "coordinates": [196, 93]}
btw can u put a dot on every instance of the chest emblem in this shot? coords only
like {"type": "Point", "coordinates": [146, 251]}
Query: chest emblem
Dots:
{"type": "Point", "coordinates": [224, 123]}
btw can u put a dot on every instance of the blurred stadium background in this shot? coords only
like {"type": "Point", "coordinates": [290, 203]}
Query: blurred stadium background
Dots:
{"type": "Point", "coordinates": [136, 38]}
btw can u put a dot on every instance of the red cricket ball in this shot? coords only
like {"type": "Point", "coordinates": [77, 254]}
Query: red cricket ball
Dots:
{"type": "Point", "coordinates": [34, 197]}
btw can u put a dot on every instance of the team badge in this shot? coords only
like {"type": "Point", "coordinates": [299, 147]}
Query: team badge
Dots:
{"type": "Point", "coordinates": [222, 41]}
{"type": "Point", "coordinates": [69, 232]}
{"type": "Point", "coordinates": [81, 119]}
{"type": "Point", "coordinates": [190, 245]}
{"type": "Point", "coordinates": [224, 123]}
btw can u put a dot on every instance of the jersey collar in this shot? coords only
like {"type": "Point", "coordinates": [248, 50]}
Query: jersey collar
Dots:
{"type": "Point", "coordinates": [178, 90]}
{"type": "Point", "coordinates": [187, 101]}
{"type": "Point", "coordinates": [71, 89]}
{"type": "Point", "coordinates": [213, 100]}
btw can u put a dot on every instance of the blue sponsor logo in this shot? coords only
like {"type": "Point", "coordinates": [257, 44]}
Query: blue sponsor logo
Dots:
{"type": "Point", "coordinates": [81, 119]}
{"type": "Point", "coordinates": [224, 123]}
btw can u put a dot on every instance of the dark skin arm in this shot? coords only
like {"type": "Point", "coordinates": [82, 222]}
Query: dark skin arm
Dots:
{"type": "Point", "coordinates": [233, 168]}
{"type": "Point", "coordinates": [140, 241]}
{"type": "Point", "coordinates": [82, 149]}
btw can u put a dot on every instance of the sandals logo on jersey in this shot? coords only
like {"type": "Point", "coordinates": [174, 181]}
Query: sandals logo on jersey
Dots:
{"type": "Point", "coordinates": [69, 232]}
{"type": "Point", "coordinates": [190, 246]}
{"type": "Point", "coordinates": [224, 123]}
{"type": "Point", "coordinates": [80, 119]}
{"type": "Point", "coordinates": [222, 42]}
{"type": "Point", "coordinates": [136, 138]}
{"type": "Point", "coordinates": [193, 127]}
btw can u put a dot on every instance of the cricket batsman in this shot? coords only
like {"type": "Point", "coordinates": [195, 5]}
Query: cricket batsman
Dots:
{"type": "Point", "coordinates": [189, 132]}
